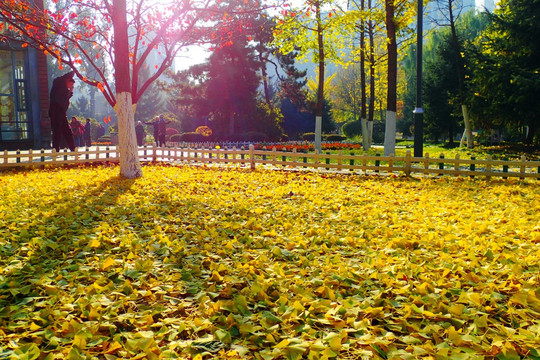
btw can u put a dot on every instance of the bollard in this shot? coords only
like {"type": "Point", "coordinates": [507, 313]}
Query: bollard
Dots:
{"type": "Point", "coordinates": [327, 160]}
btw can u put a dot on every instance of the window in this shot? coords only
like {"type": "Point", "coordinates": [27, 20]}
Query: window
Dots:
{"type": "Point", "coordinates": [14, 119]}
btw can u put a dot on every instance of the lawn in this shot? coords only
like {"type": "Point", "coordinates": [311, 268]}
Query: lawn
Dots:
{"type": "Point", "coordinates": [203, 263]}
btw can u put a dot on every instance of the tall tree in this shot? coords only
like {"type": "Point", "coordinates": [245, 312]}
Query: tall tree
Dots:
{"type": "Point", "coordinates": [126, 34]}
{"type": "Point", "coordinates": [399, 14]}
{"type": "Point", "coordinates": [451, 11]}
{"type": "Point", "coordinates": [505, 77]}
{"type": "Point", "coordinates": [312, 29]}
{"type": "Point", "coordinates": [441, 91]}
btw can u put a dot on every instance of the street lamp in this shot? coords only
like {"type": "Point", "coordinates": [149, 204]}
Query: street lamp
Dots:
{"type": "Point", "coordinates": [418, 111]}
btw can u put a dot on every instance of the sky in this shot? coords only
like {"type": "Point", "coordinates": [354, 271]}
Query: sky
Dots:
{"type": "Point", "coordinates": [190, 56]}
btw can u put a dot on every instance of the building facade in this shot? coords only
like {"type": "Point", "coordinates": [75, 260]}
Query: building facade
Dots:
{"type": "Point", "coordinates": [24, 98]}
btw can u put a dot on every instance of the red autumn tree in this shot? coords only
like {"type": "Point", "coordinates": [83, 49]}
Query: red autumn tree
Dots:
{"type": "Point", "coordinates": [108, 43]}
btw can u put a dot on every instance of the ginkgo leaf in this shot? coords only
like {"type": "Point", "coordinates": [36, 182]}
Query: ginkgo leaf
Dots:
{"type": "Point", "coordinates": [180, 264]}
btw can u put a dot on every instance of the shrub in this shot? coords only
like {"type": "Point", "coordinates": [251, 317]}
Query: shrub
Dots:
{"type": "Point", "coordinates": [308, 136]}
{"type": "Point", "coordinates": [255, 136]}
{"type": "Point", "coordinates": [104, 138]}
{"type": "Point", "coordinates": [189, 137]}
{"type": "Point", "coordinates": [352, 128]}
{"type": "Point", "coordinates": [334, 137]}
{"type": "Point", "coordinates": [170, 132]}
{"type": "Point", "coordinates": [204, 130]}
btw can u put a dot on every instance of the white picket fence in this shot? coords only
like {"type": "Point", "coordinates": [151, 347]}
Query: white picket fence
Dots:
{"type": "Point", "coordinates": [271, 158]}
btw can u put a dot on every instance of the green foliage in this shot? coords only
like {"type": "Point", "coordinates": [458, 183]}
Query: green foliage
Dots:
{"type": "Point", "coordinates": [189, 137]}
{"type": "Point", "coordinates": [441, 92]}
{"type": "Point", "coordinates": [310, 136]}
{"type": "Point", "coordinates": [352, 128]}
{"type": "Point", "coordinates": [334, 137]}
{"type": "Point", "coordinates": [505, 73]}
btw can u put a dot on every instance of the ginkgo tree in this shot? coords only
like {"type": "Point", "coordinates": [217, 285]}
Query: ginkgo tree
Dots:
{"type": "Point", "coordinates": [123, 35]}
{"type": "Point", "coordinates": [314, 30]}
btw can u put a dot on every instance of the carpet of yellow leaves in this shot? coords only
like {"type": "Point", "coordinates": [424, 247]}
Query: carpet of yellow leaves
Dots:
{"type": "Point", "coordinates": [202, 263]}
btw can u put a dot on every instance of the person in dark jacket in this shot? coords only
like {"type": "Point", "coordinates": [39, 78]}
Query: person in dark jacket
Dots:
{"type": "Point", "coordinates": [87, 136]}
{"type": "Point", "coordinates": [155, 124]}
{"type": "Point", "coordinates": [140, 132]}
{"type": "Point", "coordinates": [162, 124]}
{"type": "Point", "coordinates": [61, 92]}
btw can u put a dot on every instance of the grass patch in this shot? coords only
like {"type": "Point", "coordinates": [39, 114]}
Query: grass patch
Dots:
{"type": "Point", "coordinates": [199, 262]}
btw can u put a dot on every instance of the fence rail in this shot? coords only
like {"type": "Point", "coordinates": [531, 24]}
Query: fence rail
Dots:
{"type": "Point", "coordinates": [351, 163]}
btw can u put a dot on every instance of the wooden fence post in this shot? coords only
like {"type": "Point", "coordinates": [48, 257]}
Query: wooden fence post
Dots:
{"type": "Point", "coordinates": [252, 156]}
{"type": "Point", "coordinates": [522, 167]}
{"type": "Point", "coordinates": [441, 163]}
{"type": "Point", "coordinates": [377, 163]}
{"type": "Point", "coordinates": [505, 168]}
{"type": "Point", "coordinates": [408, 163]}
{"type": "Point", "coordinates": [327, 159]}
{"type": "Point", "coordinates": [351, 161]}
{"type": "Point", "coordinates": [456, 166]}
{"type": "Point", "coordinates": [18, 158]}
{"type": "Point", "coordinates": [472, 167]}
{"type": "Point", "coordinates": [488, 167]}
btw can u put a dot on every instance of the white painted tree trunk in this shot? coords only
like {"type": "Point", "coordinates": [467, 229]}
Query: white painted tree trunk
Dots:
{"type": "Point", "coordinates": [130, 167]}
{"type": "Point", "coordinates": [390, 133]}
{"type": "Point", "coordinates": [370, 132]}
{"type": "Point", "coordinates": [318, 133]}
{"type": "Point", "coordinates": [365, 135]}
{"type": "Point", "coordinates": [468, 129]}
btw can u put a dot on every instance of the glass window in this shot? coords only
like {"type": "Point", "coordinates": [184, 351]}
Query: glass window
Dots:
{"type": "Point", "coordinates": [6, 73]}
{"type": "Point", "coordinates": [14, 117]}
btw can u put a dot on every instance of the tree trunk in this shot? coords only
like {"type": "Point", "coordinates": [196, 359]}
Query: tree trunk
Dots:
{"type": "Point", "coordinates": [320, 93]}
{"type": "Point", "coordinates": [130, 166]}
{"type": "Point", "coordinates": [371, 108]}
{"type": "Point", "coordinates": [461, 78]}
{"type": "Point", "coordinates": [363, 101]}
{"type": "Point", "coordinates": [391, 95]}
{"type": "Point", "coordinates": [265, 80]}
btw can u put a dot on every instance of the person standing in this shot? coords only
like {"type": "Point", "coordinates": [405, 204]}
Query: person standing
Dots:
{"type": "Point", "coordinates": [77, 131]}
{"type": "Point", "coordinates": [162, 124]}
{"type": "Point", "coordinates": [87, 136]}
{"type": "Point", "coordinates": [141, 134]}
{"type": "Point", "coordinates": [61, 92]}
{"type": "Point", "coordinates": [100, 131]}
{"type": "Point", "coordinates": [155, 124]}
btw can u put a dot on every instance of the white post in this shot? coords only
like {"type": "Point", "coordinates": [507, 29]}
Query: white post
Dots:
{"type": "Point", "coordinates": [318, 133]}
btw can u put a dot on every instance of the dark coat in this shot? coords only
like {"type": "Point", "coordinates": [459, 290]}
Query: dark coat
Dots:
{"type": "Point", "coordinates": [58, 106]}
